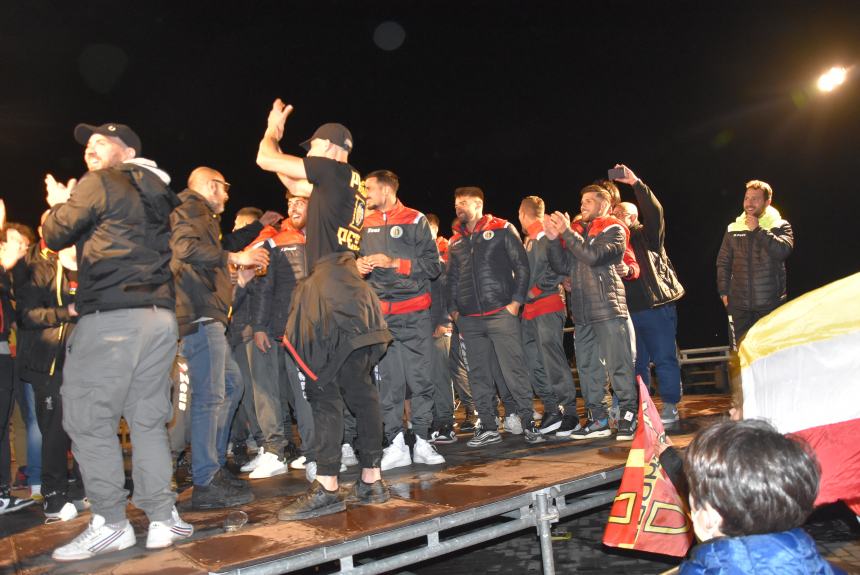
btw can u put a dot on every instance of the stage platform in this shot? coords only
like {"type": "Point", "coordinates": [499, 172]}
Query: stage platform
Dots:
{"type": "Point", "coordinates": [476, 496]}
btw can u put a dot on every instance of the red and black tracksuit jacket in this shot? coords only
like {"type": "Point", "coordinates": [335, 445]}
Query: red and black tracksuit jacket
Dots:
{"type": "Point", "coordinates": [401, 233]}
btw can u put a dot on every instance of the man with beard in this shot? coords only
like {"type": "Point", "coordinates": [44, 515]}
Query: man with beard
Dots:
{"type": "Point", "coordinates": [751, 262]}
{"type": "Point", "coordinates": [589, 252]}
{"type": "Point", "coordinates": [400, 259]}
{"type": "Point", "coordinates": [488, 275]}
{"type": "Point", "coordinates": [277, 380]}
{"type": "Point", "coordinates": [203, 297]}
{"type": "Point", "coordinates": [119, 358]}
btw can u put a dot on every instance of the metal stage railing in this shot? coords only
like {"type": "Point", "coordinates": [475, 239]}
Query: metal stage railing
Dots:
{"type": "Point", "coordinates": [537, 509]}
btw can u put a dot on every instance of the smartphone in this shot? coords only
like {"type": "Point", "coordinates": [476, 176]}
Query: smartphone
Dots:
{"type": "Point", "coordinates": [616, 173]}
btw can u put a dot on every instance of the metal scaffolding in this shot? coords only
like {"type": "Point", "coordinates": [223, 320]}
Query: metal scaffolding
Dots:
{"type": "Point", "coordinates": [539, 509]}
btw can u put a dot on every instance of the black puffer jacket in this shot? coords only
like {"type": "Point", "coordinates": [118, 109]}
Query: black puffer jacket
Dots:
{"type": "Point", "coordinates": [44, 322]}
{"type": "Point", "coordinates": [118, 218]}
{"type": "Point", "coordinates": [657, 283]}
{"type": "Point", "coordinates": [751, 265]}
{"type": "Point", "coordinates": [487, 268]}
{"type": "Point", "coordinates": [199, 264]}
{"type": "Point", "coordinates": [589, 255]}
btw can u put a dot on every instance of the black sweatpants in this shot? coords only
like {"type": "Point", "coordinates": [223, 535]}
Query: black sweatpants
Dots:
{"type": "Point", "coordinates": [55, 442]}
{"type": "Point", "coordinates": [352, 387]}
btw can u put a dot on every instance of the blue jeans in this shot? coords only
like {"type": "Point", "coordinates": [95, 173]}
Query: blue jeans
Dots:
{"type": "Point", "coordinates": [34, 435]}
{"type": "Point", "coordinates": [655, 342]}
{"type": "Point", "coordinates": [215, 381]}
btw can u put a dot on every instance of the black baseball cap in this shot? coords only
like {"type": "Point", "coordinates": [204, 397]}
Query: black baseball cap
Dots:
{"type": "Point", "coordinates": [335, 133]}
{"type": "Point", "coordinates": [121, 131]}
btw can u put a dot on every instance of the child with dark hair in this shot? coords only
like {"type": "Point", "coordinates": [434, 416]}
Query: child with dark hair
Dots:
{"type": "Point", "coordinates": [751, 489]}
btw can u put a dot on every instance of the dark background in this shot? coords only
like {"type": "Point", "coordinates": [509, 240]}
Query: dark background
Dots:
{"type": "Point", "coordinates": [517, 97]}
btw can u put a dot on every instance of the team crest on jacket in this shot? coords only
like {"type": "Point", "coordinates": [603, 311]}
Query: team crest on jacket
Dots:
{"type": "Point", "coordinates": [488, 235]}
{"type": "Point", "coordinates": [396, 232]}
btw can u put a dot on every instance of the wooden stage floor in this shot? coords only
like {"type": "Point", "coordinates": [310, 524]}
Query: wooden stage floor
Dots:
{"type": "Point", "coordinates": [470, 478]}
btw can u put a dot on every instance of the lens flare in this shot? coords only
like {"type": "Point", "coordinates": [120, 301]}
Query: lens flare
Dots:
{"type": "Point", "coordinates": [832, 79]}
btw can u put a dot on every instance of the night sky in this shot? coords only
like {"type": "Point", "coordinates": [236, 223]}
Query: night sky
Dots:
{"type": "Point", "coordinates": [519, 98]}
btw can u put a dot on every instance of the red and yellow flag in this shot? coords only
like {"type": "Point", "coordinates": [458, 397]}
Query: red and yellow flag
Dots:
{"type": "Point", "coordinates": [648, 514]}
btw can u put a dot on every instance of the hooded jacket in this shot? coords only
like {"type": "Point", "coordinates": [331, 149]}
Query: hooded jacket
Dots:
{"type": "Point", "coordinates": [487, 268]}
{"type": "Point", "coordinates": [589, 252]}
{"type": "Point", "coordinates": [119, 220]}
{"type": "Point", "coordinates": [199, 264]}
{"type": "Point", "coordinates": [751, 263]}
{"type": "Point", "coordinates": [787, 553]}
{"type": "Point", "coordinates": [45, 324]}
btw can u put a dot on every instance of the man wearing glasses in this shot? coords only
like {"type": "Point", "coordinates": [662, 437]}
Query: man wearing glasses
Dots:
{"type": "Point", "coordinates": [203, 297]}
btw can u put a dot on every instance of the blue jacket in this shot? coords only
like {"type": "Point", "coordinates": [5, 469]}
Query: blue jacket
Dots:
{"type": "Point", "coordinates": [787, 553]}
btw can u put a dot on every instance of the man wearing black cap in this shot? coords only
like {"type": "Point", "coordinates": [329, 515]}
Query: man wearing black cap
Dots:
{"type": "Point", "coordinates": [119, 356]}
{"type": "Point", "coordinates": [335, 330]}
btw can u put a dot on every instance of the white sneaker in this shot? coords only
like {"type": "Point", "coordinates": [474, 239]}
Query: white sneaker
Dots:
{"type": "Point", "coordinates": [66, 513]}
{"type": "Point", "coordinates": [513, 424]}
{"type": "Point", "coordinates": [164, 533]}
{"type": "Point", "coordinates": [269, 466]}
{"type": "Point", "coordinates": [98, 538]}
{"type": "Point", "coordinates": [347, 455]}
{"type": "Point", "coordinates": [396, 454]}
{"type": "Point", "coordinates": [311, 471]}
{"type": "Point", "coordinates": [299, 463]}
{"type": "Point", "coordinates": [424, 452]}
{"type": "Point", "coordinates": [252, 465]}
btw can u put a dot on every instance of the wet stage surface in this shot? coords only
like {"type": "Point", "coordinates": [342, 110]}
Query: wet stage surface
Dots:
{"type": "Point", "coordinates": [469, 478]}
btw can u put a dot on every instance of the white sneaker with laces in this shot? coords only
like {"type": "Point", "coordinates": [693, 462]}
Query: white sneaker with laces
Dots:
{"type": "Point", "coordinates": [513, 424]}
{"type": "Point", "coordinates": [424, 452]}
{"type": "Point", "coordinates": [164, 533]}
{"type": "Point", "coordinates": [252, 465]}
{"type": "Point", "coordinates": [347, 455]}
{"type": "Point", "coordinates": [299, 462]}
{"type": "Point", "coordinates": [98, 538]}
{"type": "Point", "coordinates": [269, 466]}
{"type": "Point", "coordinates": [396, 454]}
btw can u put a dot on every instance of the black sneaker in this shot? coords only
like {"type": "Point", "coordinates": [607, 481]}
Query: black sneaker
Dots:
{"type": "Point", "coordinates": [220, 493]}
{"type": "Point", "coordinates": [443, 435]}
{"type": "Point", "coordinates": [58, 507]}
{"type": "Point", "coordinates": [626, 426]}
{"type": "Point", "coordinates": [551, 422]}
{"type": "Point", "coordinates": [316, 502]}
{"type": "Point", "coordinates": [468, 425]}
{"type": "Point", "coordinates": [532, 433]}
{"type": "Point", "coordinates": [227, 476]}
{"type": "Point", "coordinates": [240, 454]}
{"type": "Point", "coordinates": [484, 437]}
{"type": "Point", "coordinates": [569, 424]}
{"type": "Point", "coordinates": [368, 493]}
{"type": "Point", "coordinates": [9, 503]}
{"type": "Point", "coordinates": [592, 429]}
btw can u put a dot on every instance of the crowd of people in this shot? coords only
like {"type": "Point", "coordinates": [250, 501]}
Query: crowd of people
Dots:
{"type": "Point", "coordinates": [351, 316]}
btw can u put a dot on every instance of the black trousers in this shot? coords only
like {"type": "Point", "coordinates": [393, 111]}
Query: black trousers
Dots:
{"type": "Point", "coordinates": [55, 442]}
{"type": "Point", "coordinates": [7, 402]}
{"type": "Point", "coordinates": [353, 388]}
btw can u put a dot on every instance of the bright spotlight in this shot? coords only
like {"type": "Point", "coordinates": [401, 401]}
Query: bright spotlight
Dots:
{"type": "Point", "coordinates": [832, 79]}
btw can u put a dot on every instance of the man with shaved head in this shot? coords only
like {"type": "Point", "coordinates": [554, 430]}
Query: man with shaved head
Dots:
{"type": "Point", "coordinates": [203, 297]}
{"type": "Point", "coordinates": [118, 359]}
{"type": "Point", "coordinates": [651, 297]}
